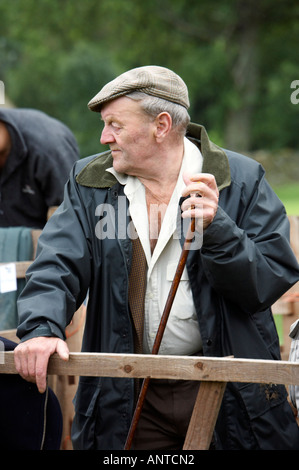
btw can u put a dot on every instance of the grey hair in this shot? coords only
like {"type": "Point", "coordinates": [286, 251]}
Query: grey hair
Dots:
{"type": "Point", "coordinates": [154, 106]}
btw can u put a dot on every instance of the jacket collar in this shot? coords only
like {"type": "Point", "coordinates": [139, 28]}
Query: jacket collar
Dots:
{"type": "Point", "coordinates": [215, 161]}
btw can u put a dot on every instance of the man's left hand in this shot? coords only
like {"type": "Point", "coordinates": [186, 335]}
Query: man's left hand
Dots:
{"type": "Point", "coordinates": [203, 201]}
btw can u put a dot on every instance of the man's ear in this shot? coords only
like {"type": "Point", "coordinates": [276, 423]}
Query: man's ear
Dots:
{"type": "Point", "coordinates": [163, 125]}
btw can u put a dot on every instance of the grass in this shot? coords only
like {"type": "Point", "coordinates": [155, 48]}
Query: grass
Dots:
{"type": "Point", "coordinates": [289, 195]}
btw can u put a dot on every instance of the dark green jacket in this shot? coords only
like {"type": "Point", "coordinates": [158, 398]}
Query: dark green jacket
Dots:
{"type": "Point", "coordinates": [244, 265]}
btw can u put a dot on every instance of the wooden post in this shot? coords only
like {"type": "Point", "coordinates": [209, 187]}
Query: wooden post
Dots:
{"type": "Point", "coordinates": [204, 416]}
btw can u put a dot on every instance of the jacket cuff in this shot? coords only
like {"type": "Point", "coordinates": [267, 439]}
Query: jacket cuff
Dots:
{"type": "Point", "coordinates": [47, 329]}
{"type": "Point", "coordinates": [220, 230]}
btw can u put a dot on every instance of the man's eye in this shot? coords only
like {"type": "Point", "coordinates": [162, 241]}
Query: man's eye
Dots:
{"type": "Point", "coordinates": [115, 125]}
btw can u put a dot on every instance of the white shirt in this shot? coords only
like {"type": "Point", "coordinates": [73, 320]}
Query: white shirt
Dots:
{"type": "Point", "coordinates": [181, 336]}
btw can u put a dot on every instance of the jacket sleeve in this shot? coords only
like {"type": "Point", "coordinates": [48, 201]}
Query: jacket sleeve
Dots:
{"type": "Point", "coordinates": [58, 279]}
{"type": "Point", "coordinates": [246, 253]}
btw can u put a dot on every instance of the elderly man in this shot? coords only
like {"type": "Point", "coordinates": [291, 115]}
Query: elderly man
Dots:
{"type": "Point", "coordinates": [161, 171]}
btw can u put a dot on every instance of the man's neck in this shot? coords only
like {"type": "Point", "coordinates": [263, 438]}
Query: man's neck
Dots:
{"type": "Point", "coordinates": [164, 173]}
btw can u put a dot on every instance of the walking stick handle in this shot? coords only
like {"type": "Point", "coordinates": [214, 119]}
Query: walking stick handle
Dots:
{"type": "Point", "coordinates": [161, 329]}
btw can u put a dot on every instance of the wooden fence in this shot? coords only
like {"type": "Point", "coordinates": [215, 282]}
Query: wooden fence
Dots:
{"type": "Point", "coordinates": [213, 373]}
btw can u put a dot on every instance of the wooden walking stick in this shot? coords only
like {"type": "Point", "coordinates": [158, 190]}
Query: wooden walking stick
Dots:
{"type": "Point", "coordinates": [160, 332]}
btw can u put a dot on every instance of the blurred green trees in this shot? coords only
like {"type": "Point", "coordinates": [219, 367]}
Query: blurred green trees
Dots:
{"type": "Point", "coordinates": [238, 58]}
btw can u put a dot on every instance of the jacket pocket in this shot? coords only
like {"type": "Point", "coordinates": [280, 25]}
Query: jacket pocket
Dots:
{"type": "Point", "coordinates": [260, 398]}
{"type": "Point", "coordinates": [271, 419]}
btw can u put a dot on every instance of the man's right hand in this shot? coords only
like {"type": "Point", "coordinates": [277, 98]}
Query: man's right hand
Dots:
{"type": "Point", "coordinates": [32, 357]}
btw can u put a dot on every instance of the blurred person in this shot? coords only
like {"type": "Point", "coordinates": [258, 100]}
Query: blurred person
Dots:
{"type": "Point", "coordinates": [160, 171]}
{"type": "Point", "coordinates": [37, 153]}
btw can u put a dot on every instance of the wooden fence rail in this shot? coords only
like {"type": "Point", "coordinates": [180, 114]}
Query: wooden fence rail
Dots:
{"type": "Point", "coordinates": [169, 367]}
{"type": "Point", "coordinates": [214, 373]}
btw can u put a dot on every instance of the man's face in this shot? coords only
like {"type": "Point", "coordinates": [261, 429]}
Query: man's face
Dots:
{"type": "Point", "coordinates": [5, 144]}
{"type": "Point", "coordinates": [130, 134]}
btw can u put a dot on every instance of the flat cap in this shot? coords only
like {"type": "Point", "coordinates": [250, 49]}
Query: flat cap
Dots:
{"type": "Point", "coordinates": [152, 79]}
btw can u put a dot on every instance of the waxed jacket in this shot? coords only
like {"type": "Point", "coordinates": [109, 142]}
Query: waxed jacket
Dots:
{"type": "Point", "coordinates": [244, 265]}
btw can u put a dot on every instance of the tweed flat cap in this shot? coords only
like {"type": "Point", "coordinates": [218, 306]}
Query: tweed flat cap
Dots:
{"type": "Point", "coordinates": [151, 79]}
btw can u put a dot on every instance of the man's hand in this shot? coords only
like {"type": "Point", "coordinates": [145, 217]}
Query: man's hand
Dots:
{"type": "Point", "coordinates": [203, 201]}
{"type": "Point", "coordinates": [32, 356]}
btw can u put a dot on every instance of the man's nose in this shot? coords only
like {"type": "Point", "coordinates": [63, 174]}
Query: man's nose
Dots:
{"type": "Point", "coordinates": [106, 136]}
